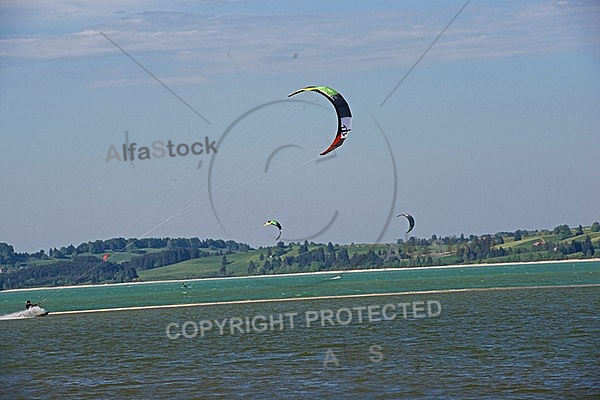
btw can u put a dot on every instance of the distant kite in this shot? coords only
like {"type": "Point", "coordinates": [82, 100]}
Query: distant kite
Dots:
{"type": "Point", "coordinates": [105, 257]}
{"type": "Point", "coordinates": [342, 110]}
{"type": "Point", "coordinates": [411, 221]}
{"type": "Point", "coordinates": [274, 223]}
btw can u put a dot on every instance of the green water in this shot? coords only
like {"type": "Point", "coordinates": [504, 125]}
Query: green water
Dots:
{"type": "Point", "coordinates": [301, 286]}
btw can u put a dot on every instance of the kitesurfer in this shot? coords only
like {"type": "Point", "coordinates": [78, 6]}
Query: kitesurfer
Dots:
{"type": "Point", "coordinates": [28, 305]}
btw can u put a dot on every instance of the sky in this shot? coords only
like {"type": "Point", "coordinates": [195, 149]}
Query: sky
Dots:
{"type": "Point", "coordinates": [494, 127]}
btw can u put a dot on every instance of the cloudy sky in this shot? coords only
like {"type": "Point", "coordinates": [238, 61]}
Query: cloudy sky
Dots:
{"type": "Point", "coordinates": [495, 129]}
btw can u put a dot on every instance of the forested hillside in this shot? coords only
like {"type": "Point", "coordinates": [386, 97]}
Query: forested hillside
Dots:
{"type": "Point", "coordinates": [125, 260]}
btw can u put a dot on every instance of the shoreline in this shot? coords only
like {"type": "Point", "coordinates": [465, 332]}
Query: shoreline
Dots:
{"type": "Point", "coordinates": [311, 298]}
{"type": "Point", "coordinates": [333, 272]}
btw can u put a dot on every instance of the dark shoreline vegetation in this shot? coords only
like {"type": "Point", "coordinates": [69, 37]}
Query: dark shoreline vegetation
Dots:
{"type": "Point", "coordinates": [128, 260]}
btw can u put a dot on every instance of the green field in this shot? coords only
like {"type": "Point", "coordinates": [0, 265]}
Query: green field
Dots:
{"type": "Point", "coordinates": [527, 242]}
{"type": "Point", "coordinates": [201, 267]}
{"type": "Point", "coordinates": [237, 262]}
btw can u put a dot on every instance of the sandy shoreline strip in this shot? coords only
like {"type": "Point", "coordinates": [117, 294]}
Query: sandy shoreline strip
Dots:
{"type": "Point", "coordinates": [349, 296]}
{"type": "Point", "coordinates": [340, 272]}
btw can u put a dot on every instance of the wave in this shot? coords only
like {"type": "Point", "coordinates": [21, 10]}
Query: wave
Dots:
{"type": "Point", "coordinates": [32, 312]}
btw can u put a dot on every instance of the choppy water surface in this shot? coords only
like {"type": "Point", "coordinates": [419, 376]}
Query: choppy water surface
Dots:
{"type": "Point", "coordinates": [517, 343]}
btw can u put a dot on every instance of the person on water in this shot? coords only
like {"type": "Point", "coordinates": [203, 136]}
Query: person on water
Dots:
{"type": "Point", "coordinates": [28, 305]}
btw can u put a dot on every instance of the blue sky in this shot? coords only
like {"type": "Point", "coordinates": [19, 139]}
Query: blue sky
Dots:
{"type": "Point", "coordinates": [495, 129]}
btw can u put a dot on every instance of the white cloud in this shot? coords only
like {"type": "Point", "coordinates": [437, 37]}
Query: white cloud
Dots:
{"type": "Point", "coordinates": [123, 82]}
{"type": "Point", "coordinates": [359, 41]}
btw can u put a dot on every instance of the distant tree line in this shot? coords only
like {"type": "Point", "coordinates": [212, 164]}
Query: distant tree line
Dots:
{"type": "Point", "coordinates": [313, 257]}
{"type": "Point", "coordinates": [72, 265]}
{"type": "Point", "coordinates": [168, 257]}
{"type": "Point", "coordinates": [8, 255]}
{"type": "Point", "coordinates": [83, 269]}
{"type": "Point", "coordinates": [419, 252]}
{"type": "Point", "coordinates": [135, 245]}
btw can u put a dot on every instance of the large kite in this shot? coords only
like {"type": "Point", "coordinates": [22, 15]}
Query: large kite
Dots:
{"type": "Point", "coordinates": [411, 221]}
{"type": "Point", "coordinates": [341, 108]}
{"type": "Point", "coordinates": [274, 223]}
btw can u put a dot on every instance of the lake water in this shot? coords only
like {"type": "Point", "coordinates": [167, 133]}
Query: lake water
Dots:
{"type": "Point", "coordinates": [518, 331]}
